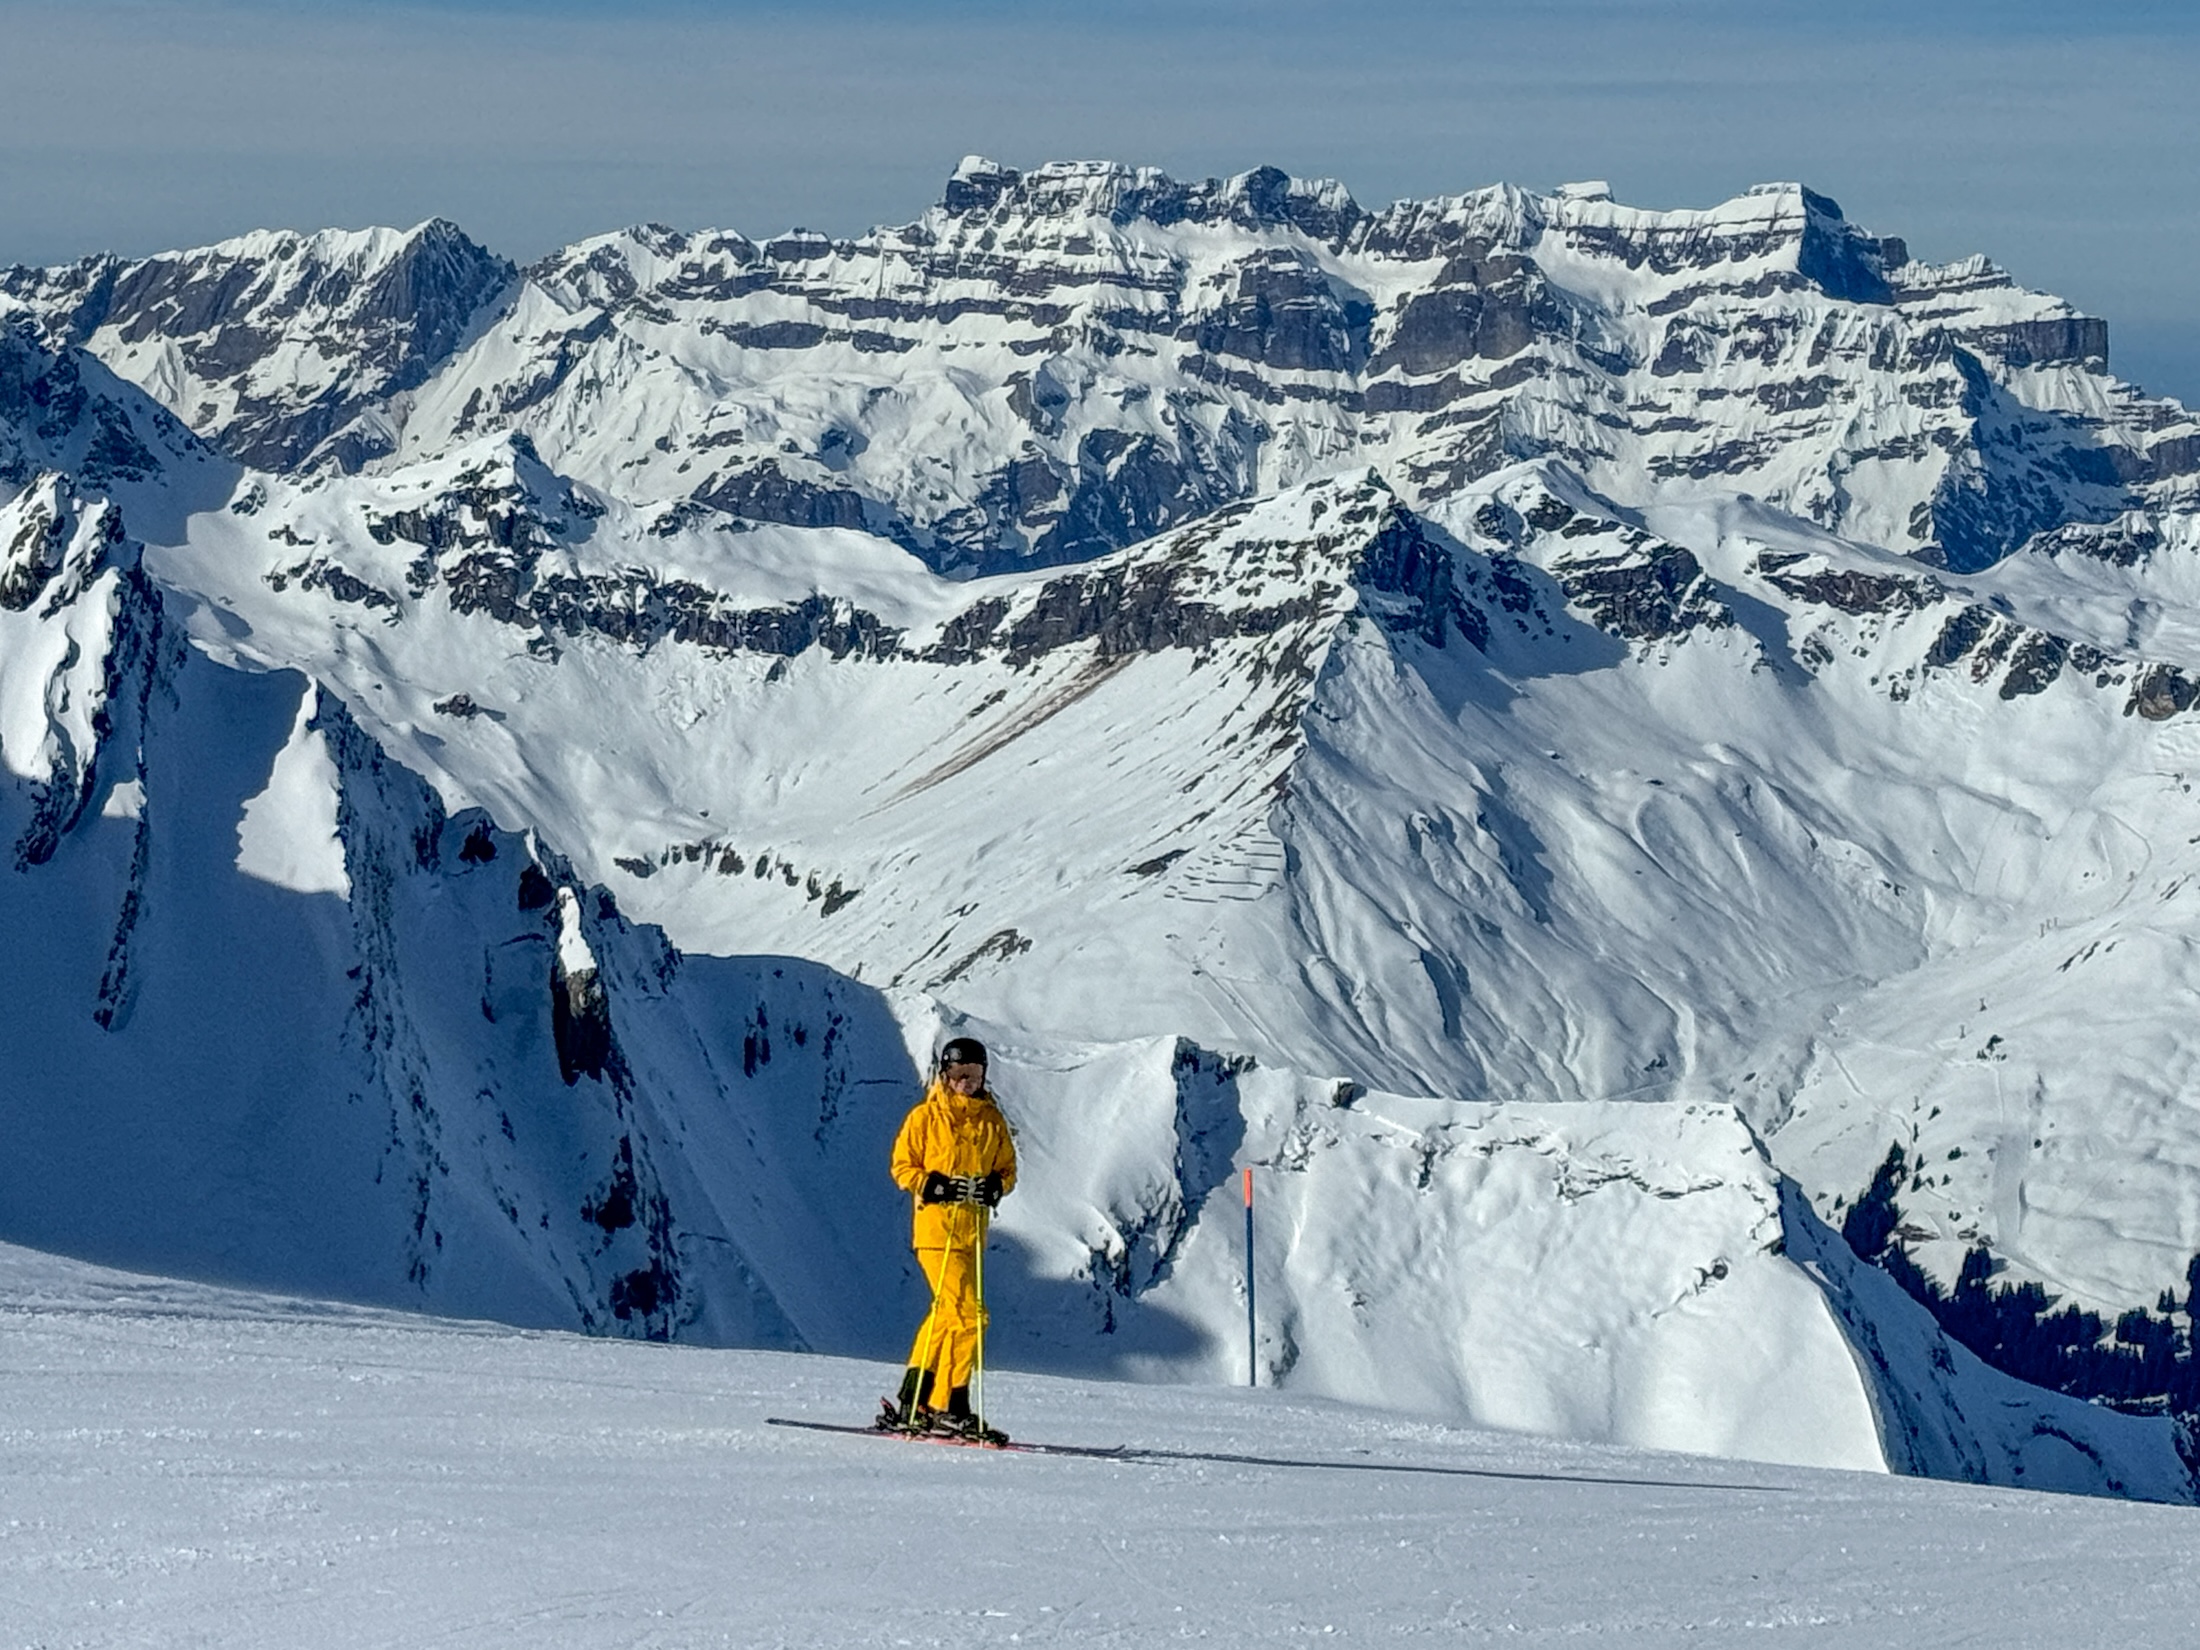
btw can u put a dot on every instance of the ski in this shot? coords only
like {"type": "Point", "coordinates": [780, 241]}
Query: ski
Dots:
{"type": "Point", "coordinates": [1095, 1452]}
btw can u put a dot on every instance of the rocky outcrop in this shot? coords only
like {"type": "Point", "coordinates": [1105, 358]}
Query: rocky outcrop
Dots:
{"type": "Point", "coordinates": [2125, 542]}
{"type": "Point", "coordinates": [34, 536]}
{"type": "Point", "coordinates": [1283, 313]}
{"type": "Point", "coordinates": [2062, 340]}
{"type": "Point", "coordinates": [1622, 578]}
{"type": "Point", "coordinates": [1849, 591]}
{"type": "Point", "coordinates": [1483, 305]}
{"type": "Point", "coordinates": [1959, 635]}
{"type": "Point", "coordinates": [2160, 692]}
{"type": "Point", "coordinates": [766, 492]}
{"type": "Point", "coordinates": [580, 1008]}
{"type": "Point", "coordinates": [495, 542]}
{"type": "Point", "coordinates": [2034, 664]}
{"type": "Point", "coordinates": [88, 621]}
{"type": "Point", "coordinates": [60, 412]}
{"type": "Point", "coordinates": [1128, 488]}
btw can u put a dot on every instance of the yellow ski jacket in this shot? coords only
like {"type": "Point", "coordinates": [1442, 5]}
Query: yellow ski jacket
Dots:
{"type": "Point", "coordinates": [946, 1133]}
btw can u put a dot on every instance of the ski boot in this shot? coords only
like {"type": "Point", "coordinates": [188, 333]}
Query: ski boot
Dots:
{"type": "Point", "coordinates": [907, 1409]}
{"type": "Point", "coordinates": [960, 1422]}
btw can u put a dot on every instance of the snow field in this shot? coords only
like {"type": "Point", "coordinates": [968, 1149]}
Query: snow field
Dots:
{"type": "Point", "coordinates": [182, 1466]}
{"type": "Point", "coordinates": [1750, 829]}
{"type": "Point", "coordinates": [289, 834]}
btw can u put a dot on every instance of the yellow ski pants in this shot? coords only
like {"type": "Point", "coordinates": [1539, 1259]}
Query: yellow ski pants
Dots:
{"type": "Point", "coordinates": [947, 1340]}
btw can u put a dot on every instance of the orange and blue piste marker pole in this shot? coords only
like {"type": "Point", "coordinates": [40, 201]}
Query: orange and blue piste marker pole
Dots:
{"type": "Point", "coordinates": [1252, 1328]}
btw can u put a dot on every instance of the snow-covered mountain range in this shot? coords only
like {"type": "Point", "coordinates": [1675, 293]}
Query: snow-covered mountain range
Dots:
{"type": "Point", "coordinates": [1555, 732]}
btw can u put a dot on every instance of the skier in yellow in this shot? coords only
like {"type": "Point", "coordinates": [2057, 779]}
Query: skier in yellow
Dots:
{"type": "Point", "coordinates": [957, 1160]}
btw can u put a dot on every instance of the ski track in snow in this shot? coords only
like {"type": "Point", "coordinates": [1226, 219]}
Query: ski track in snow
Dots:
{"type": "Point", "coordinates": [185, 1466]}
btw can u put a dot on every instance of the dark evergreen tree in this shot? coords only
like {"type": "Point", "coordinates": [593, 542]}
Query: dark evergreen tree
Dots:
{"type": "Point", "coordinates": [2184, 1392]}
{"type": "Point", "coordinates": [1873, 1219]}
{"type": "Point", "coordinates": [2148, 1364]}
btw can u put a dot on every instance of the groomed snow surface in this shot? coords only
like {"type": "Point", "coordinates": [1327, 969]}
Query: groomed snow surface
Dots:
{"type": "Point", "coordinates": [181, 1465]}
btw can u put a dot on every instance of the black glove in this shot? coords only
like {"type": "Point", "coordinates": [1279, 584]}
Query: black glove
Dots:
{"type": "Point", "coordinates": [940, 1188]}
{"type": "Point", "coordinates": [987, 1189]}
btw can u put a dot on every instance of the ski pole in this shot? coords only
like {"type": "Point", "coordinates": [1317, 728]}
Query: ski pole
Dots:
{"type": "Point", "coordinates": [924, 1345]}
{"type": "Point", "coordinates": [977, 1376]}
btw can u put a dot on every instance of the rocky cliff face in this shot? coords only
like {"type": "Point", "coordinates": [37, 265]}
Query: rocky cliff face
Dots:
{"type": "Point", "coordinates": [61, 412]}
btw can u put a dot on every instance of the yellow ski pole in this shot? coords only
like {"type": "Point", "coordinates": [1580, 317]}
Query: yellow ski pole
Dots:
{"type": "Point", "coordinates": [977, 1368]}
{"type": "Point", "coordinates": [928, 1341]}
{"type": "Point", "coordinates": [925, 1347]}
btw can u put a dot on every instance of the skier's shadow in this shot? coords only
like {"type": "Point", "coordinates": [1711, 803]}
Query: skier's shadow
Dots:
{"type": "Point", "coordinates": [1425, 1469]}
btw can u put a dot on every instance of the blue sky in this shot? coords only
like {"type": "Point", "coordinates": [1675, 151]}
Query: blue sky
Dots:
{"type": "Point", "coordinates": [2060, 139]}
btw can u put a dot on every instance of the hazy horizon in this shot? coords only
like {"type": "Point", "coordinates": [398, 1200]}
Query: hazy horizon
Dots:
{"type": "Point", "coordinates": [2058, 146]}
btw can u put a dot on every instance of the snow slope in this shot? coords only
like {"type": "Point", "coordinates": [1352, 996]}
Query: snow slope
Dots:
{"type": "Point", "coordinates": [1523, 798]}
{"type": "Point", "coordinates": [184, 1466]}
{"type": "Point", "coordinates": [384, 1115]}
{"type": "Point", "coordinates": [1462, 1217]}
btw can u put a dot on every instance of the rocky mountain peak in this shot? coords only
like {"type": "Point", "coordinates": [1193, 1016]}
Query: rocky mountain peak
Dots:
{"type": "Point", "coordinates": [1118, 195]}
{"type": "Point", "coordinates": [272, 344]}
{"type": "Point", "coordinates": [977, 185]}
{"type": "Point", "coordinates": [1841, 260]}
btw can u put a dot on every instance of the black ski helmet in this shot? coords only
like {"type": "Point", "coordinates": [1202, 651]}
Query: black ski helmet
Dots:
{"type": "Point", "coordinates": [962, 1051]}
